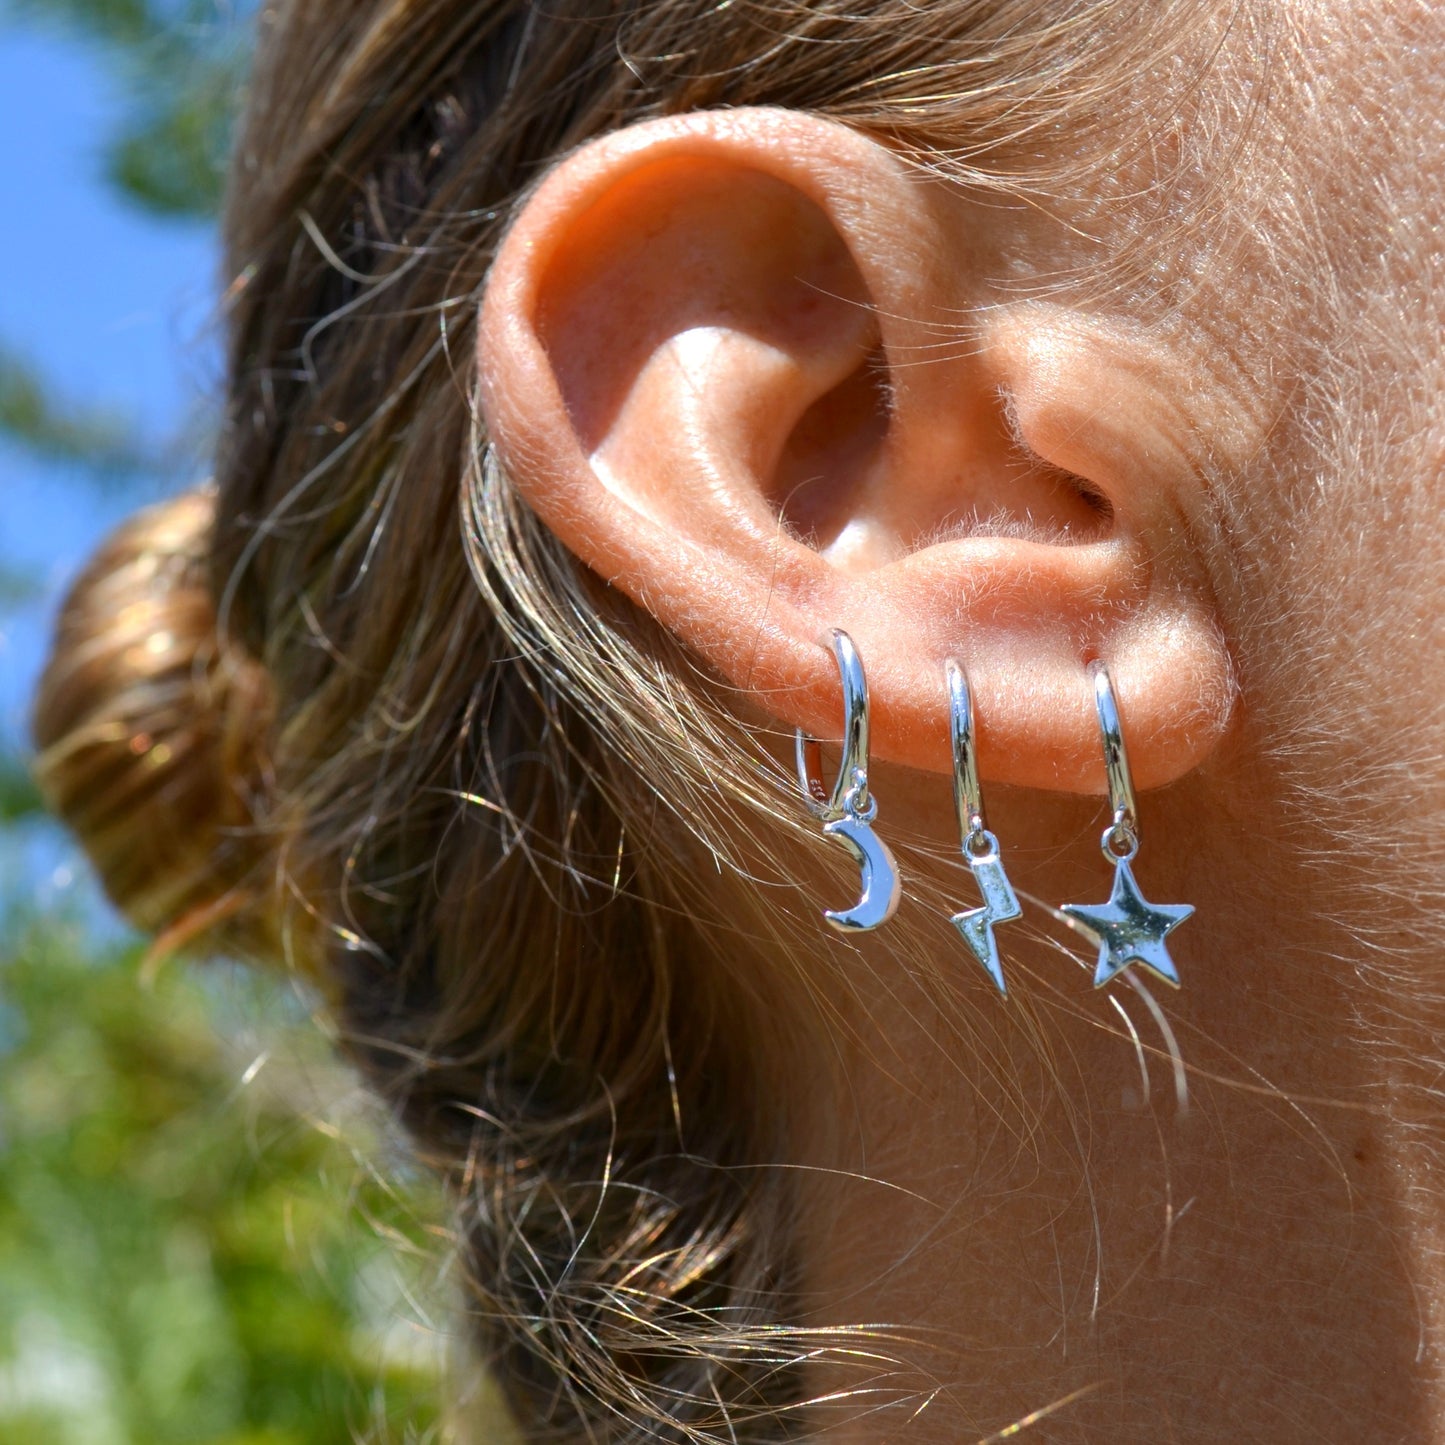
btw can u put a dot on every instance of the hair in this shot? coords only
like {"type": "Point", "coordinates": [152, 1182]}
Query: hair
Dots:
{"type": "Point", "coordinates": [356, 706]}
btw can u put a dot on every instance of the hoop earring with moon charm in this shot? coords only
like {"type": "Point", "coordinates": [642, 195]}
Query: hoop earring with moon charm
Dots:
{"type": "Point", "coordinates": [848, 809]}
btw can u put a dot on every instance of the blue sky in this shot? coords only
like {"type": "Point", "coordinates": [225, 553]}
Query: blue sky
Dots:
{"type": "Point", "coordinates": [115, 306]}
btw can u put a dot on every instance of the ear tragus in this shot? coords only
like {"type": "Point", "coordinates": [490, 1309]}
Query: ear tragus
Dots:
{"type": "Point", "coordinates": [831, 454]}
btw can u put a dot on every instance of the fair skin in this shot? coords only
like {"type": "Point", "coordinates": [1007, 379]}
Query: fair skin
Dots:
{"type": "Point", "coordinates": [1263, 424]}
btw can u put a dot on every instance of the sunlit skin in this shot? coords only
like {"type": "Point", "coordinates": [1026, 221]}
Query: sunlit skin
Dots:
{"type": "Point", "coordinates": [1247, 1248]}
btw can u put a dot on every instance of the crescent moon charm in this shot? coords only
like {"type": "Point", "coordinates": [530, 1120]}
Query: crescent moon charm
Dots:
{"type": "Point", "coordinates": [880, 876]}
{"type": "Point", "coordinates": [847, 809]}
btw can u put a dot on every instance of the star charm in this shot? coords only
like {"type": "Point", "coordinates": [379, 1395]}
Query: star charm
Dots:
{"type": "Point", "coordinates": [999, 906]}
{"type": "Point", "coordinates": [1129, 929]}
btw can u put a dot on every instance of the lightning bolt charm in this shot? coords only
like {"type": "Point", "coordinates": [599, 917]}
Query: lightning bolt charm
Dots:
{"type": "Point", "coordinates": [1000, 905]}
{"type": "Point", "coordinates": [980, 847]}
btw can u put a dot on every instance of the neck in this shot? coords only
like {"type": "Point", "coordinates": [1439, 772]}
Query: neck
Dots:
{"type": "Point", "coordinates": [1223, 1226]}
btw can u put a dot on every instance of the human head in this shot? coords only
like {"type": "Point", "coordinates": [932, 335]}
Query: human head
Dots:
{"type": "Point", "coordinates": [986, 320]}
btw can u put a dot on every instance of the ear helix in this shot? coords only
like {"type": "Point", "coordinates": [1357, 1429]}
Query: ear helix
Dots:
{"type": "Point", "coordinates": [848, 809]}
{"type": "Point", "coordinates": [980, 847]}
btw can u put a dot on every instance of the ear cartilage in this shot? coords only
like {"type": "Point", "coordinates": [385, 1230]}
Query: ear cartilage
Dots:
{"type": "Point", "coordinates": [848, 808]}
{"type": "Point", "coordinates": [1128, 928]}
{"type": "Point", "coordinates": [980, 847]}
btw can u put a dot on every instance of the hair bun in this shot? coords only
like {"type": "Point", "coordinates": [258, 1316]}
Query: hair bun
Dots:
{"type": "Point", "coordinates": [150, 731]}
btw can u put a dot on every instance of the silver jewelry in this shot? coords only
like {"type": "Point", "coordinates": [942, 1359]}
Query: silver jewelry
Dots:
{"type": "Point", "coordinates": [980, 847]}
{"type": "Point", "coordinates": [1128, 928]}
{"type": "Point", "coordinates": [848, 809]}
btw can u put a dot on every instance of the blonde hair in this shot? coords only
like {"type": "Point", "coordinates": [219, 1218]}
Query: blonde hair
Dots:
{"type": "Point", "coordinates": [144, 719]}
{"type": "Point", "coordinates": [392, 716]}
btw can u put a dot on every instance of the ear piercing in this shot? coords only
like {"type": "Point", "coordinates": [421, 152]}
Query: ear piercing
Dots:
{"type": "Point", "coordinates": [1128, 928]}
{"type": "Point", "coordinates": [980, 847]}
{"type": "Point", "coordinates": [848, 809]}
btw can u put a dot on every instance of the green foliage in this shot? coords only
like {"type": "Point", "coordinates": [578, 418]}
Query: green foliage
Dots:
{"type": "Point", "coordinates": [18, 584]}
{"type": "Point", "coordinates": [191, 1250]}
{"type": "Point", "coordinates": [19, 797]}
{"type": "Point", "coordinates": [171, 157]}
{"type": "Point", "coordinates": [180, 68]}
{"type": "Point", "coordinates": [35, 416]}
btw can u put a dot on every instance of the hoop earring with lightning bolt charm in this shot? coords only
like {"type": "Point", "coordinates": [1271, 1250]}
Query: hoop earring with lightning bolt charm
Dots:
{"type": "Point", "coordinates": [848, 808]}
{"type": "Point", "coordinates": [1128, 928]}
{"type": "Point", "coordinates": [980, 847]}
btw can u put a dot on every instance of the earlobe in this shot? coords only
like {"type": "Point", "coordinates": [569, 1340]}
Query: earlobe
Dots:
{"type": "Point", "coordinates": [727, 358]}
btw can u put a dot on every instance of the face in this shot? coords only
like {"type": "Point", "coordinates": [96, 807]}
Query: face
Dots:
{"type": "Point", "coordinates": [1275, 1261]}
{"type": "Point", "coordinates": [1212, 461]}
{"type": "Point", "coordinates": [1320, 309]}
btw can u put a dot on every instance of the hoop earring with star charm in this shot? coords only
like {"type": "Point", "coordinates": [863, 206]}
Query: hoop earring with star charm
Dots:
{"type": "Point", "coordinates": [1128, 929]}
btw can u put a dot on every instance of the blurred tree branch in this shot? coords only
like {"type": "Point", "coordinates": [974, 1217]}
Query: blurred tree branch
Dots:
{"type": "Point", "coordinates": [193, 1247]}
{"type": "Point", "coordinates": [19, 797]}
{"type": "Point", "coordinates": [180, 67]}
{"type": "Point", "coordinates": [18, 585]}
{"type": "Point", "coordinates": [34, 416]}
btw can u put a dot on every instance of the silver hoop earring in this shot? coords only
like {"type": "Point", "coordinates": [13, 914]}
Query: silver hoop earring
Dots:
{"type": "Point", "coordinates": [848, 809]}
{"type": "Point", "coordinates": [1128, 928]}
{"type": "Point", "coordinates": [980, 847]}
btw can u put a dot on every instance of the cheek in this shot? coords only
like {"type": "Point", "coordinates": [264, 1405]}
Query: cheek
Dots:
{"type": "Point", "coordinates": [1320, 308]}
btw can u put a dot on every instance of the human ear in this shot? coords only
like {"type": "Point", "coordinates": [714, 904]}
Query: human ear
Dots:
{"type": "Point", "coordinates": [745, 365]}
